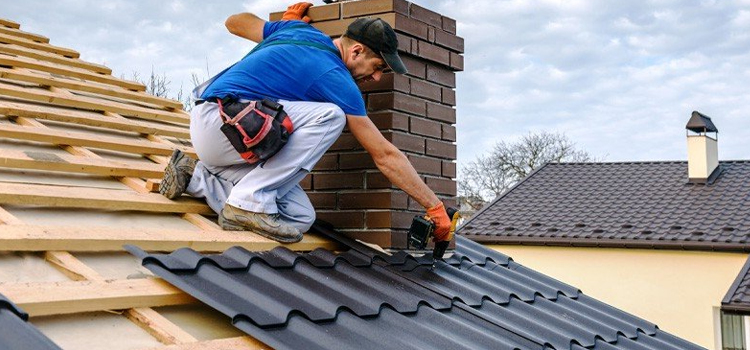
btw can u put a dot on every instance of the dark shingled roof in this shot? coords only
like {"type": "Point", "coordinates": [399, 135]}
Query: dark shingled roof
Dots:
{"type": "Point", "coordinates": [737, 298]}
{"type": "Point", "coordinates": [636, 205]}
{"type": "Point", "coordinates": [15, 333]}
{"type": "Point", "coordinates": [364, 299]}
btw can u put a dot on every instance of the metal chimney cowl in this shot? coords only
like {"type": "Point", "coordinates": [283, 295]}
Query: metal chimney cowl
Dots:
{"type": "Point", "coordinates": [703, 150]}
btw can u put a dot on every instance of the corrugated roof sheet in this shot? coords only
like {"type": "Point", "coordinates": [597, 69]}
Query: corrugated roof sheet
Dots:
{"type": "Point", "coordinates": [646, 205]}
{"type": "Point", "coordinates": [15, 333]}
{"type": "Point", "coordinates": [476, 299]}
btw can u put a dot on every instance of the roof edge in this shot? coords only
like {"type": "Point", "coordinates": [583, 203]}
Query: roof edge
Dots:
{"type": "Point", "coordinates": [612, 243]}
{"type": "Point", "coordinates": [737, 281]}
{"type": "Point", "coordinates": [498, 198]}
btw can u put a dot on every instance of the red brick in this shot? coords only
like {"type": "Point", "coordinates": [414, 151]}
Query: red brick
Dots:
{"type": "Point", "coordinates": [406, 142]}
{"type": "Point", "coordinates": [434, 53]}
{"type": "Point", "coordinates": [388, 82]}
{"type": "Point", "coordinates": [424, 15]}
{"type": "Point", "coordinates": [449, 96]}
{"type": "Point", "coordinates": [442, 149]}
{"type": "Point", "coordinates": [449, 133]}
{"type": "Point", "coordinates": [425, 127]}
{"type": "Point", "coordinates": [345, 142]}
{"type": "Point", "coordinates": [343, 219]}
{"type": "Point", "coordinates": [449, 41]}
{"type": "Point", "coordinates": [327, 162]}
{"type": "Point", "coordinates": [441, 112]}
{"type": "Point", "coordinates": [450, 202]}
{"type": "Point", "coordinates": [306, 183]}
{"type": "Point", "coordinates": [390, 120]}
{"type": "Point", "coordinates": [350, 161]}
{"type": "Point", "coordinates": [370, 7]}
{"type": "Point", "coordinates": [378, 181]}
{"type": "Point", "coordinates": [390, 219]}
{"type": "Point", "coordinates": [426, 90]}
{"type": "Point", "coordinates": [373, 200]}
{"type": "Point", "coordinates": [449, 25]}
{"type": "Point", "coordinates": [409, 26]}
{"type": "Point", "coordinates": [440, 75]}
{"type": "Point", "coordinates": [414, 205]}
{"type": "Point", "coordinates": [449, 169]}
{"type": "Point", "coordinates": [316, 13]}
{"type": "Point", "coordinates": [426, 165]}
{"type": "Point", "coordinates": [330, 181]}
{"type": "Point", "coordinates": [415, 66]}
{"type": "Point", "coordinates": [322, 200]}
{"type": "Point", "coordinates": [442, 185]}
{"type": "Point", "coordinates": [397, 101]}
{"type": "Point", "coordinates": [404, 42]}
{"type": "Point", "coordinates": [457, 61]}
{"type": "Point", "coordinates": [431, 34]}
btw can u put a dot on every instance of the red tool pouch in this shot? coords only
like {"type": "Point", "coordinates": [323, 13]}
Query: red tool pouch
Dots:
{"type": "Point", "coordinates": [256, 129]}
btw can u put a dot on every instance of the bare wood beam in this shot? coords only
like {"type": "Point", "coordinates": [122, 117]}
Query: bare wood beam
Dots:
{"type": "Point", "coordinates": [68, 163]}
{"type": "Point", "coordinates": [93, 104]}
{"type": "Point", "coordinates": [24, 35]}
{"type": "Point", "coordinates": [71, 266]}
{"type": "Point", "coordinates": [55, 298]}
{"type": "Point", "coordinates": [60, 137]}
{"type": "Point", "coordinates": [239, 343]}
{"type": "Point", "coordinates": [95, 119]}
{"type": "Point", "coordinates": [10, 39]}
{"type": "Point", "coordinates": [159, 327]}
{"type": "Point", "coordinates": [21, 74]}
{"type": "Point", "coordinates": [96, 198]}
{"type": "Point", "coordinates": [50, 57]}
{"type": "Point", "coordinates": [9, 23]}
{"type": "Point", "coordinates": [100, 239]}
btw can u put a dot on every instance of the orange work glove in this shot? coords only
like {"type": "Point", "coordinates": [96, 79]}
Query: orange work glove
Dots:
{"type": "Point", "coordinates": [297, 12]}
{"type": "Point", "coordinates": [439, 216]}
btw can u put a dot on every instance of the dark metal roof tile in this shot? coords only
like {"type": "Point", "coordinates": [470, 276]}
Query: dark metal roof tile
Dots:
{"type": "Point", "coordinates": [16, 333]}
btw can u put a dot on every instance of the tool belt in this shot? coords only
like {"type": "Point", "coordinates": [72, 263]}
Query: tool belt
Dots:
{"type": "Point", "coordinates": [256, 129]}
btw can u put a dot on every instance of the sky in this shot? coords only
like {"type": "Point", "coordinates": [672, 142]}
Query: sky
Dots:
{"type": "Point", "coordinates": [619, 78]}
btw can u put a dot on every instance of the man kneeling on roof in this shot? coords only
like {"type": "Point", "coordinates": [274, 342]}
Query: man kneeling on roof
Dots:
{"type": "Point", "coordinates": [296, 89]}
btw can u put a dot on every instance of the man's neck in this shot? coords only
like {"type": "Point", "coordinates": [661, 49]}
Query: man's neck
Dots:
{"type": "Point", "coordinates": [340, 46]}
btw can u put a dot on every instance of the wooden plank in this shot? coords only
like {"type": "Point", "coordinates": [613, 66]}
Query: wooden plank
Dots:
{"type": "Point", "coordinates": [8, 23]}
{"type": "Point", "coordinates": [67, 163]}
{"type": "Point", "coordinates": [159, 326]}
{"type": "Point", "coordinates": [8, 218]}
{"type": "Point", "coordinates": [71, 266]}
{"type": "Point", "coordinates": [33, 238]}
{"type": "Point", "coordinates": [89, 140]}
{"type": "Point", "coordinates": [56, 298]}
{"type": "Point", "coordinates": [24, 35]}
{"type": "Point", "coordinates": [93, 104]}
{"type": "Point", "coordinates": [239, 343]}
{"type": "Point", "coordinates": [50, 57]}
{"type": "Point", "coordinates": [10, 39]}
{"type": "Point", "coordinates": [21, 74]}
{"type": "Point", "coordinates": [88, 118]}
{"type": "Point", "coordinates": [49, 67]}
{"type": "Point", "coordinates": [97, 198]}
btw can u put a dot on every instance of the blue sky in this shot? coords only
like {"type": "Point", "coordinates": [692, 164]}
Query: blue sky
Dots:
{"type": "Point", "coordinates": [619, 78]}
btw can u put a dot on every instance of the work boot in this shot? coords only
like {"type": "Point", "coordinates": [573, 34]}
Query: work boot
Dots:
{"type": "Point", "coordinates": [266, 225]}
{"type": "Point", "coordinates": [177, 175]}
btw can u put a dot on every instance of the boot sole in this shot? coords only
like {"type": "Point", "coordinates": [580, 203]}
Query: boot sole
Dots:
{"type": "Point", "coordinates": [169, 187]}
{"type": "Point", "coordinates": [232, 227]}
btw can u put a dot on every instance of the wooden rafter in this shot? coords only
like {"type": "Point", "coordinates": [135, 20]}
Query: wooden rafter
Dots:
{"type": "Point", "coordinates": [11, 39]}
{"type": "Point", "coordinates": [72, 164]}
{"type": "Point", "coordinates": [25, 35]}
{"type": "Point", "coordinates": [53, 58]}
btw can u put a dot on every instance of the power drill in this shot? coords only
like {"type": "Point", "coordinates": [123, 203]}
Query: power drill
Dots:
{"type": "Point", "coordinates": [421, 231]}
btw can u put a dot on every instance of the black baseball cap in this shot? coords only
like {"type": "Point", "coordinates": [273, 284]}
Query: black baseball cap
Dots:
{"type": "Point", "coordinates": [380, 37]}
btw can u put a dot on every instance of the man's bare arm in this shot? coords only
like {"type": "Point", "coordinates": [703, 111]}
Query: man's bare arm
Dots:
{"type": "Point", "coordinates": [391, 161]}
{"type": "Point", "coordinates": [246, 25]}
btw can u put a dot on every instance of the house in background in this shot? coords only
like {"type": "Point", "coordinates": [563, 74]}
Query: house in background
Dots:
{"type": "Point", "coordinates": [664, 240]}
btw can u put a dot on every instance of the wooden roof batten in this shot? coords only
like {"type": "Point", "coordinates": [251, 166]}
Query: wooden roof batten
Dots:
{"type": "Point", "coordinates": [42, 83]}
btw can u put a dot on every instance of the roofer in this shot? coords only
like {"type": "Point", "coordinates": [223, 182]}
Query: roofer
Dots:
{"type": "Point", "coordinates": [314, 79]}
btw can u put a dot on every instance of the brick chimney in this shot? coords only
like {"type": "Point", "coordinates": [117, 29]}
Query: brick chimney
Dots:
{"type": "Point", "coordinates": [415, 112]}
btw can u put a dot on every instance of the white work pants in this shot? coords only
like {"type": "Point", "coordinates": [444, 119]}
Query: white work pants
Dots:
{"type": "Point", "coordinates": [270, 187]}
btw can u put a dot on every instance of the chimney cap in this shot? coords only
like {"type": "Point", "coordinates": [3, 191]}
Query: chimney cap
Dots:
{"type": "Point", "coordinates": [700, 123]}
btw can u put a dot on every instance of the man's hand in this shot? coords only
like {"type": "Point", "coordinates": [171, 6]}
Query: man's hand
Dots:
{"type": "Point", "coordinates": [297, 12]}
{"type": "Point", "coordinates": [439, 216]}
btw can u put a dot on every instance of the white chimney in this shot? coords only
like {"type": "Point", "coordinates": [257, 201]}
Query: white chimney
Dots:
{"type": "Point", "coordinates": [703, 150]}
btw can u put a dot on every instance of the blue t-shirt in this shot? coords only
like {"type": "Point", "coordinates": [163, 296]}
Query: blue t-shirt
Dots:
{"type": "Point", "coordinates": [291, 72]}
